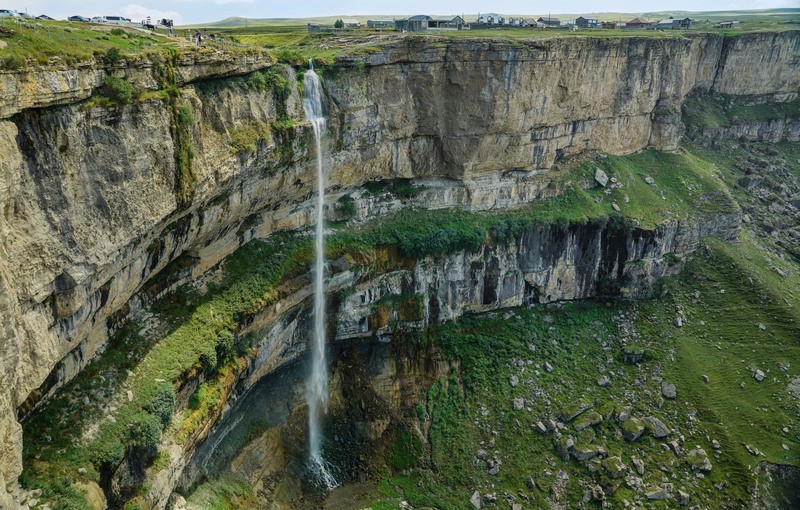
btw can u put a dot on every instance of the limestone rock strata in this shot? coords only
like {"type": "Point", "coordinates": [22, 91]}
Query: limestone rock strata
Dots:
{"type": "Point", "coordinates": [548, 263]}
{"type": "Point", "coordinates": [88, 195]}
{"type": "Point", "coordinates": [56, 85]}
{"type": "Point", "coordinates": [90, 214]}
{"type": "Point", "coordinates": [471, 108]}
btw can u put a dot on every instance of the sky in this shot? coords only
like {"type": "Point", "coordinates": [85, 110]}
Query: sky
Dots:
{"type": "Point", "coordinates": [200, 11]}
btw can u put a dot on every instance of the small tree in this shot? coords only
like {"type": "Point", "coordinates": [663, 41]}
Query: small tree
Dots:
{"type": "Point", "coordinates": [339, 24]}
{"type": "Point", "coordinates": [145, 432]}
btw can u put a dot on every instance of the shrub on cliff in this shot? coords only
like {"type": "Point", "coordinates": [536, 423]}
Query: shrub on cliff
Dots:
{"type": "Point", "coordinates": [273, 80]}
{"type": "Point", "coordinates": [163, 404]}
{"type": "Point", "coordinates": [347, 206]}
{"type": "Point", "coordinates": [112, 56]}
{"type": "Point", "coordinates": [184, 116]}
{"type": "Point", "coordinates": [109, 455]}
{"type": "Point", "coordinates": [226, 347]}
{"type": "Point", "coordinates": [119, 91]}
{"type": "Point", "coordinates": [405, 451]}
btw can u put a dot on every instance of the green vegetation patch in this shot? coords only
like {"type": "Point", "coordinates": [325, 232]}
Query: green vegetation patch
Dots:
{"type": "Point", "coordinates": [502, 360]}
{"type": "Point", "coordinates": [720, 110]}
{"type": "Point", "coordinates": [223, 493]}
{"type": "Point", "coordinates": [405, 452]}
{"type": "Point", "coordinates": [655, 186]}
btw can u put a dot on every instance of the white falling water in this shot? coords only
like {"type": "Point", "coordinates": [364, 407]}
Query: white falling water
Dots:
{"type": "Point", "coordinates": [317, 385]}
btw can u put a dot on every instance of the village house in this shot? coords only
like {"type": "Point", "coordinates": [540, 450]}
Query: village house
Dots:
{"type": "Point", "coordinates": [446, 23]}
{"type": "Point", "coordinates": [314, 28]}
{"type": "Point", "coordinates": [491, 18]}
{"type": "Point", "coordinates": [608, 25]}
{"type": "Point", "coordinates": [674, 24]}
{"type": "Point", "coordinates": [637, 24]}
{"type": "Point", "coordinates": [664, 24]}
{"type": "Point", "coordinates": [413, 24]}
{"type": "Point", "coordinates": [582, 22]}
{"type": "Point", "coordinates": [549, 22]}
{"type": "Point", "coordinates": [351, 23]}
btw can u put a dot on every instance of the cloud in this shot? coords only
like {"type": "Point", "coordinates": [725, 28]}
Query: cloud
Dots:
{"type": "Point", "coordinates": [139, 12]}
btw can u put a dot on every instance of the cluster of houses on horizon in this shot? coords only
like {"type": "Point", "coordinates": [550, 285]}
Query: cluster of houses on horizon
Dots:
{"type": "Point", "coordinates": [424, 22]}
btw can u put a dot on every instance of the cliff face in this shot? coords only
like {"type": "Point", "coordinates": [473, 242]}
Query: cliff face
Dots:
{"type": "Point", "coordinates": [546, 263]}
{"type": "Point", "coordinates": [92, 212]}
{"type": "Point", "coordinates": [476, 108]}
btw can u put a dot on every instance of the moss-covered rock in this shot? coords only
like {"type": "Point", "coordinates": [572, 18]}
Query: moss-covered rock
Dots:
{"type": "Point", "coordinates": [632, 429]}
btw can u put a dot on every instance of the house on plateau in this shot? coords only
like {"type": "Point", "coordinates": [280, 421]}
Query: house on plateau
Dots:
{"type": "Point", "coordinates": [582, 22]}
{"type": "Point", "coordinates": [313, 28]}
{"type": "Point", "coordinates": [664, 24]}
{"type": "Point", "coordinates": [413, 24]}
{"type": "Point", "coordinates": [549, 22]}
{"type": "Point", "coordinates": [683, 23]}
{"type": "Point", "coordinates": [637, 23]}
{"type": "Point", "coordinates": [446, 23]}
{"type": "Point", "coordinates": [351, 23]}
{"type": "Point", "coordinates": [491, 18]}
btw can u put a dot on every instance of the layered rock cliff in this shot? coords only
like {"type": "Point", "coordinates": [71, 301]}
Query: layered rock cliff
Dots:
{"type": "Point", "coordinates": [96, 202]}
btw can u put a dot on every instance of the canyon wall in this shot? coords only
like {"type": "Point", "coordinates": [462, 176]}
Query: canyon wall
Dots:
{"type": "Point", "coordinates": [94, 199]}
{"type": "Point", "coordinates": [546, 263]}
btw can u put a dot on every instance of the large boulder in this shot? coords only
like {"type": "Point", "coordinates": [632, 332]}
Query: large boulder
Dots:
{"type": "Point", "coordinates": [698, 459]}
{"type": "Point", "coordinates": [657, 427]}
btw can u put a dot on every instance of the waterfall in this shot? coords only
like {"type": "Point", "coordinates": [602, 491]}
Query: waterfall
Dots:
{"type": "Point", "coordinates": [317, 385]}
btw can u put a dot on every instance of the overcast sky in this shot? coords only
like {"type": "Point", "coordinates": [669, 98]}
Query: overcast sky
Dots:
{"type": "Point", "coordinates": [199, 11]}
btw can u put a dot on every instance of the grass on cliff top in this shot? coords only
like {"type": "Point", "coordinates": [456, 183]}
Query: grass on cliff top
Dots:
{"type": "Point", "coordinates": [583, 342]}
{"type": "Point", "coordinates": [37, 42]}
{"type": "Point", "coordinates": [70, 42]}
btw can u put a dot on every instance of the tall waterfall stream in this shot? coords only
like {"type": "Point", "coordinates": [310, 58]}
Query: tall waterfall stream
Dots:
{"type": "Point", "coordinates": [317, 385]}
